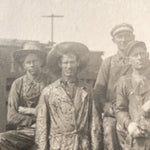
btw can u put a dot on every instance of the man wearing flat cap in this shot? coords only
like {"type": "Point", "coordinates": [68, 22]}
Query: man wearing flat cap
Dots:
{"type": "Point", "coordinates": [67, 118]}
{"type": "Point", "coordinates": [110, 71]}
{"type": "Point", "coordinates": [23, 98]}
{"type": "Point", "coordinates": [133, 100]}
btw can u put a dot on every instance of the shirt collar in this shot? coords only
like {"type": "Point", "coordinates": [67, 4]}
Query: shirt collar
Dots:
{"type": "Point", "coordinates": [77, 82]}
{"type": "Point", "coordinates": [29, 79]}
{"type": "Point", "coordinates": [65, 82]}
{"type": "Point", "coordinates": [120, 54]}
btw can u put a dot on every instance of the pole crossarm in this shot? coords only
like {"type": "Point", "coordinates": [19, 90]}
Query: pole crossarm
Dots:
{"type": "Point", "coordinates": [52, 16]}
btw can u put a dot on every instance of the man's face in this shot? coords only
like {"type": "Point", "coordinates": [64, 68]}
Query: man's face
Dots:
{"type": "Point", "coordinates": [139, 58]}
{"type": "Point", "coordinates": [32, 64]}
{"type": "Point", "coordinates": [122, 39]}
{"type": "Point", "coordinates": [69, 65]}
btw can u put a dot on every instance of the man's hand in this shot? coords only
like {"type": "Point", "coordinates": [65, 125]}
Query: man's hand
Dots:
{"type": "Point", "coordinates": [26, 110]}
{"type": "Point", "coordinates": [108, 110]}
{"type": "Point", "coordinates": [146, 106]}
{"type": "Point", "coordinates": [34, 125]}
{"type": "Point", "coordinates": [134, 130]}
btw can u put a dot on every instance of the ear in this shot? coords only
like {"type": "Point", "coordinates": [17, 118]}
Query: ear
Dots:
{"type": "Point", "coordinates": [147, 56]}
{"type": "Point", "coordinates": [23, 67]}
{"type": "Point", "coordinates": [133, 37]}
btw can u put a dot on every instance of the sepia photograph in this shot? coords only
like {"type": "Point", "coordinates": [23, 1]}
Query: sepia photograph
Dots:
{"type": "Point", "coordinates": [75, 75]}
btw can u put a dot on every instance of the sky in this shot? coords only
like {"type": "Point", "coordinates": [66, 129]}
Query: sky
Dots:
{"type": "Point", "coordinates": [86, 21]}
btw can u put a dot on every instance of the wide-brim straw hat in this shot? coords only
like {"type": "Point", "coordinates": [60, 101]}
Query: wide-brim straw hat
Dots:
{"type": "Point", "coordinates": [76, 48]}
{"type": "Point", "coordinates": [29, 48]}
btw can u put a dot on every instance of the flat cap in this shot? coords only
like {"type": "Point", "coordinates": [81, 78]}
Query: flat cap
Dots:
{"type": "Point", "coordinates": [120, 28]}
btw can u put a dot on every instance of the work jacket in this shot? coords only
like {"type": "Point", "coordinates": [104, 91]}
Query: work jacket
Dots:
{"type": "Point", "coordinates": [66, 122]}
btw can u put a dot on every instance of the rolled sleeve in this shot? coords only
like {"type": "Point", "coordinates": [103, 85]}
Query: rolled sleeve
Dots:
{"type": "Point", "coordinates": [122, 103]}
{"type": "Point", "coordinates": [100, 88]}
{"type": "Point", "coordinates": [13, 116]}
{"type": "Point", "coordinates": [96, 128]}
{"type": "Point", "coordinates": [43, 122]}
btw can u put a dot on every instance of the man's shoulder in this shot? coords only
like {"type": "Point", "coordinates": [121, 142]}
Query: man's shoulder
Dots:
{"type": "Point", "coordinates": [55, 83]}
{"type": "Point", "coordinates": [19, 80]}
{"type": "Point", "coordinates": [48, 88]}
{"type": "Point", "coordinates": [107, 61]}
{"type": "Point", "coordinates": [86, 86]}
{"type": "Point", "coordinates": [110, 57]}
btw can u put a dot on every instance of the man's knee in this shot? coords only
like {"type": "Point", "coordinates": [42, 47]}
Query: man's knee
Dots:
{"type": "Point", "coordinates": [3, 137]}
{"type": "Point", "coordinates": [109, 125]}
{"type": "Point", "coordinates": [109, 130]}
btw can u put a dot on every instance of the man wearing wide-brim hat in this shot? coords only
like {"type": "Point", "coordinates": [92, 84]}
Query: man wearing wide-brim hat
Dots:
{"type": "Point", "coordinates": [67, 117]}
{"type": "Point", "coordinates": [30, 48]}
{"type": "Point", "coordinates": [23, 98]}
{"type": "Point", "coordinates": [133, 100]}
{"type": "Point", "coordinates": [110, 71]}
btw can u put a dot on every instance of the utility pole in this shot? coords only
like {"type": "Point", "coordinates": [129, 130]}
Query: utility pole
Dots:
{"type": "Point", "coordinates": [52, 16]}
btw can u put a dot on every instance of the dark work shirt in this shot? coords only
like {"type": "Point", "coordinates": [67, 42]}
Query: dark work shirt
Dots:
{"type": "Point", "coordinates": [110, 71]}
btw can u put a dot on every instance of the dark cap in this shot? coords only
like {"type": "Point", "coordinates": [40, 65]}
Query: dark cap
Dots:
{"type": "Point", "coordinates": [133, 44]}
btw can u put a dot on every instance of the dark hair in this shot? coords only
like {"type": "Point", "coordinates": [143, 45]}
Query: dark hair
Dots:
{"type": "Point", "coordinates": [69, 53]}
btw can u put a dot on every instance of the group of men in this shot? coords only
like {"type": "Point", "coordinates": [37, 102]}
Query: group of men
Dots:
{"type": "Point", "coordinates": [68, 114]}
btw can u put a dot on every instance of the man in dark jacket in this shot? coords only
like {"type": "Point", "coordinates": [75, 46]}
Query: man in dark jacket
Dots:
{"type": "Point", "coordinates": [110, 71]}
